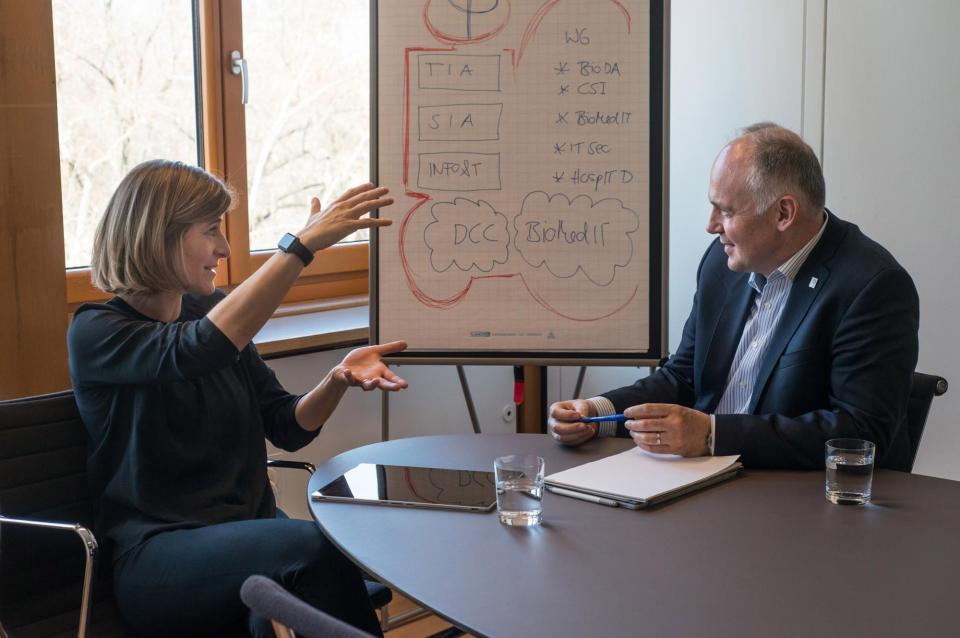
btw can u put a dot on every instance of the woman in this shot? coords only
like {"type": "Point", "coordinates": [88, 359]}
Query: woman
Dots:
{"type": "Point", "coordinates": [177, 403]}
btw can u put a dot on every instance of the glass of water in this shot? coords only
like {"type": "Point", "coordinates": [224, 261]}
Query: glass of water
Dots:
{"type": "Point", "coordinates": [519, 489]}
{"type": "Point", "coordinates": [849, 471]}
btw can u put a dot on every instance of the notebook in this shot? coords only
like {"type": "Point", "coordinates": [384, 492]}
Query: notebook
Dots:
{"type": "Point", "coordinates": [637, 478]}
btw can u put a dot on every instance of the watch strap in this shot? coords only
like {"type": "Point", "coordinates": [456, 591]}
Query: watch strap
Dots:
{"type": "Point", "coordinates": [291, 244]}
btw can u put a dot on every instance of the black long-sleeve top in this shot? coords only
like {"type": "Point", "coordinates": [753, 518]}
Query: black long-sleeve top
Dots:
{"type": "Point", "coordinates": [176, 420]}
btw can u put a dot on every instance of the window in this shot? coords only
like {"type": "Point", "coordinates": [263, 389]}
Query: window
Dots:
{"type": "Point", "coordinates": [308, 114]}
{"type": "Point", "coordinates": [304, 132]}
{"type": "Point", "coordinates": [124, 95]}
{"type": "Point", "coordinates": [139, 80]}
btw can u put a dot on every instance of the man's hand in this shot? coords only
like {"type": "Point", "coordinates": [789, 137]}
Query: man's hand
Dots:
{"type": "Point", "coordinates": [665, 428]}
{"type": "Point", "coordinates": [564, 425]}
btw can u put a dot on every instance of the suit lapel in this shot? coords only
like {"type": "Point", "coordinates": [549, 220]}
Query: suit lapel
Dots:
{"type": "Point", "coordinates": [810, 280]}
{"type": "Point", "coordinates": [726, 336]}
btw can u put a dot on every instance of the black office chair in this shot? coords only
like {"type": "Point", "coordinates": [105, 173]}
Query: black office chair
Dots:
{"type": "Point", "coordinates": [289, 614]}
{"type": "Point", "coordinates": [904, 451]}
{"type": "Point", "coordinates": [44, 492]}
{"type": "Point", "coordinates": [48, 586]}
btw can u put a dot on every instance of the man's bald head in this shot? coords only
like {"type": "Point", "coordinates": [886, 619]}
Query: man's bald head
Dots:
{"type": "Point", "coordinates": [779, 163]}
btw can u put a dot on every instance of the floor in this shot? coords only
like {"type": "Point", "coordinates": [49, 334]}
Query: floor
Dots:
{"type": "Point", "coordinates": [421, 628]}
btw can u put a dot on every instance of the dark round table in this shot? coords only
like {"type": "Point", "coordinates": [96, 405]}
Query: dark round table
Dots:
{"type": "Point", "coordinates": [761, 555]}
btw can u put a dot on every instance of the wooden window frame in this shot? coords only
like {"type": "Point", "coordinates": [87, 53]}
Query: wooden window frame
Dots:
{"type": "Point", "coordinates": [338, 271]}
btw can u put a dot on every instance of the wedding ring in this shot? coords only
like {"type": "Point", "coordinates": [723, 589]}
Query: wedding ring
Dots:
{"type": "Point", "coordinates": [659, 440]}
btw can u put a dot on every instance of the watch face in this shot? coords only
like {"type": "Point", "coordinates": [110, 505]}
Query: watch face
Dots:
{"type": "Point", "coordinates": [290, 244]}
{"type": "Point", "coordinates": [286, 242]}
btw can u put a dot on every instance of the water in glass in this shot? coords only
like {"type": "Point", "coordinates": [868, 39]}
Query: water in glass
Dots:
{"type": "Point", "coordinates": [849, 477]}
{"type": "Point", "coordinates": [519, 501]}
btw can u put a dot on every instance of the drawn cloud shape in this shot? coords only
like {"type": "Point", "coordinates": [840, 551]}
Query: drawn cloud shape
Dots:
{"type": "Point", "coordinates": [467, 234]}
{"type": "Point", "coordinates": [567, 236]}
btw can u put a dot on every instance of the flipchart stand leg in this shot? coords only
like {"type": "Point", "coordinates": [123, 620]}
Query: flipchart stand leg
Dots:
{"type": "Point", "coordinates": [579, 386]}
{"type": "Point", "coordinates": [468, 399]}
{"type": "Point", "coordinates": [384, 416]}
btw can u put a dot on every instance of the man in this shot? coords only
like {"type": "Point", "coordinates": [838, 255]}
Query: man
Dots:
{"type": "Point", "coordinates": [802, 329]}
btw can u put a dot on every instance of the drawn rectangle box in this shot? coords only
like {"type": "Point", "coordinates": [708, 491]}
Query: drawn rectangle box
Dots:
{"type": "Point", "coordinates": [459, 122]}
{"type": "Point", "coordinates": [457, 72]}
{"type": "Point", "coordinates": [459, 171]}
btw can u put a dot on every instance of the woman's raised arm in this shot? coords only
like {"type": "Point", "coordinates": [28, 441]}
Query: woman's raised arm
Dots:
{"type": "Point", "coordinates": [245, 310]}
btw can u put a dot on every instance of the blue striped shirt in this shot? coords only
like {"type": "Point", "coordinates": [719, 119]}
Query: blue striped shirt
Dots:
{"type": "Point", "coordinates": [764, 316]}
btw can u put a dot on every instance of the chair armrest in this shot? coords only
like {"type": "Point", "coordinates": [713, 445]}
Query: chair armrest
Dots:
{"type": "Point", "coordinates": [89, 544]}
{"type": "Point", "coordinates": [941, 388]}
{"type": "Point", "coordinates": [292, 465]}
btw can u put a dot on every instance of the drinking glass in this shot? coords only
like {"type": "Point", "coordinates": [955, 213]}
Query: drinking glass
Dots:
{"type": "Point", "coordinates": [519, 479]}
{"type": "Point", "coordinates": [849, 471]}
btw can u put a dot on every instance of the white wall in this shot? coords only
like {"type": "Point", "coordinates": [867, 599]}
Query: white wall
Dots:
{"type": "Point", "coordinates": [892, 162]}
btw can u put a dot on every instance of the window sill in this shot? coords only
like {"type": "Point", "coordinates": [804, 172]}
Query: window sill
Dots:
{"type": "Point", "coordinates": [301, 328]}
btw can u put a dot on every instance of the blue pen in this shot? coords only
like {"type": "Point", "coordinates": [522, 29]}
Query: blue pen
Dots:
{"type": "Point", "coordinates": [600, 419]}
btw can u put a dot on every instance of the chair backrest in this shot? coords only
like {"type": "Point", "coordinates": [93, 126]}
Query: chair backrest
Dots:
{"type": "Point", "coordinates": [43, 476]}
{"type": "Point", "coordinates": [270, 600]}
{"type": "Point", "coordinates": [922, 391]}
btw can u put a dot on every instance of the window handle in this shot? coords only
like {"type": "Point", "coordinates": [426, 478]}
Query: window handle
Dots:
{"type": "Point", "coordinates": [238, 66]}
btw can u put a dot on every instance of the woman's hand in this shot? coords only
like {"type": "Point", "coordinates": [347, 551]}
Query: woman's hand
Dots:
{"type": "Point", "coordinates": [327, 227]}
{"type": "Point", "coordinates": [363, 368]}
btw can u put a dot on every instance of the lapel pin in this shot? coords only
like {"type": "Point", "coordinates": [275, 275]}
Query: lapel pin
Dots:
{"type": "Point", "coordinates": [813, 282]}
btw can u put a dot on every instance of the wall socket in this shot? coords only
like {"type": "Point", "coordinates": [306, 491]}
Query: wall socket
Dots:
{"type": "Point", "coordinates": [509, 413]}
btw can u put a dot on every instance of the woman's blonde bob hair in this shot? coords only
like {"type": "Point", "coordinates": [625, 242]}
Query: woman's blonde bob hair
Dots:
{"type": "Point", "coordinates": [137, 248]}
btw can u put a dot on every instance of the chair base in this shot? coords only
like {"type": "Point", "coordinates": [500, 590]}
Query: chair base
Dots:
{"type": "Point", "coordinates": [390, 621]}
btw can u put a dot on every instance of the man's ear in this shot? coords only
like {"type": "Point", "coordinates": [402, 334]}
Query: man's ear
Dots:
{"type": "Point", "coordinates": [787, 210]}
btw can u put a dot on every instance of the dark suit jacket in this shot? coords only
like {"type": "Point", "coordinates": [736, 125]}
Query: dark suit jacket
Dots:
{"type": "Point", "coordinates": [839, 363]}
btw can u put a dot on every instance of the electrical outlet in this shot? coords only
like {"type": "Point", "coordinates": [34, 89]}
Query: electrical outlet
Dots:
{"type": "Point", "coordinates": [509, 413]}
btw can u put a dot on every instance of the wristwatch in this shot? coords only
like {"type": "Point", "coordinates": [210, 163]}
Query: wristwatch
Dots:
{"type": "Point", "coordinates": [290, 243]}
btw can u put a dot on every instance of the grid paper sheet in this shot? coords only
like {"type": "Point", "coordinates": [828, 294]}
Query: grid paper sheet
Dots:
{"type": "Point", "coordinates": [514, 137]}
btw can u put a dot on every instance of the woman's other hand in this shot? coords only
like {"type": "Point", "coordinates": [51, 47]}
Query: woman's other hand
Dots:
{"type": "Point", "coordinates": [326, 227]}
{"type": "Point", "coordinates": [363, 368]}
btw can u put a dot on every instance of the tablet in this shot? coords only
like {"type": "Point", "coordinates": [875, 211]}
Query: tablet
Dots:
{"type": "Point", "coordinates": [408, 486]}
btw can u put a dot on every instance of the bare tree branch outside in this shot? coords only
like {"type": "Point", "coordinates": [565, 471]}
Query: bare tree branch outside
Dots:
{"type": "Point", "coordinates": [308, 119]}
{"type": "Point", "coordinates": [125, 94]}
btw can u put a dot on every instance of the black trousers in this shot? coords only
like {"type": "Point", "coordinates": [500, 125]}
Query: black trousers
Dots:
{"type": "Point", "coordinates": [187, 582]}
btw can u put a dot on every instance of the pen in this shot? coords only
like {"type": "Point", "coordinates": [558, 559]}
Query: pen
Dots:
{"type": "Point", "coordinates": [599, 419]}
{"type": "Point", "coordinates": [583, 497]}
